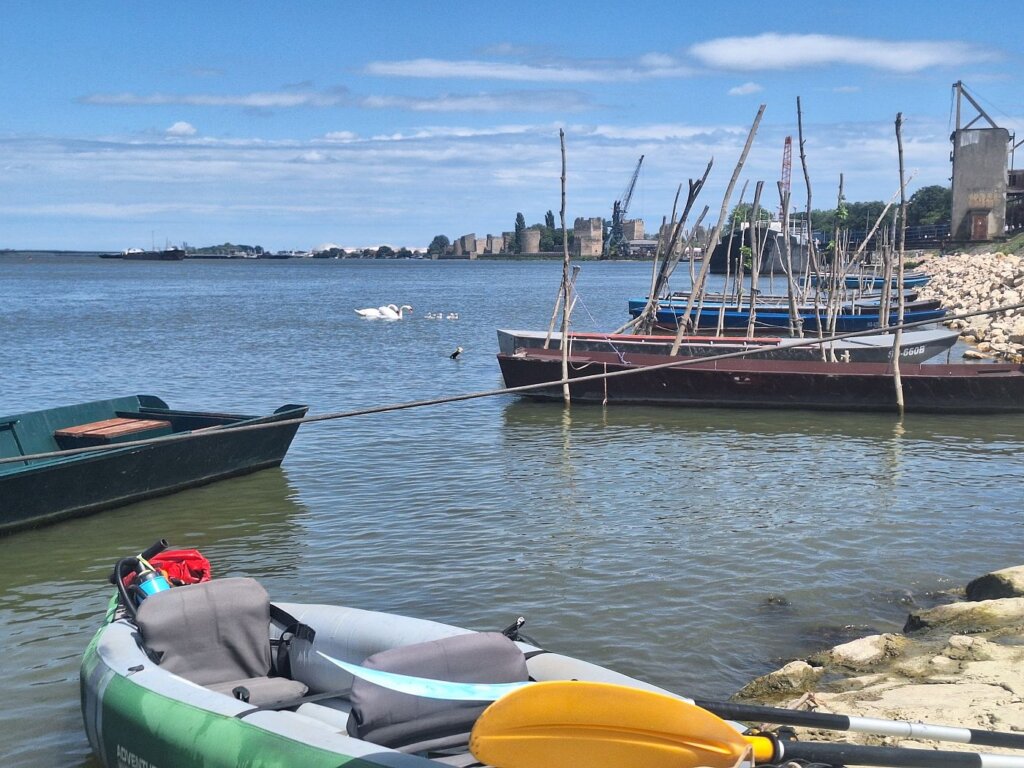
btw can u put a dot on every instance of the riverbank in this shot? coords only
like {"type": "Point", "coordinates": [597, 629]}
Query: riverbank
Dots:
{"type": "Point", "coordinates": [971, 282]}
{"type": "Point", "coordinates": [960, 663]}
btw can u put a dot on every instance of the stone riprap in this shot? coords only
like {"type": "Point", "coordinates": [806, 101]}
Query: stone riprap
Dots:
{"type": "Point", "coordinates": [959, 664]}
{"type": "Point", "coordinates": [969, 282]}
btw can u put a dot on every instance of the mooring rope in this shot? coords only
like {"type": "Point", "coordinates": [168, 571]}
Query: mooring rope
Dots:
{"type": "Point", "coordinates": [678, 363]}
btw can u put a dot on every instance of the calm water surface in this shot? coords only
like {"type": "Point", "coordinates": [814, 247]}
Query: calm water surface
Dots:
{"type": "Point", "coordinates": [693, 548]}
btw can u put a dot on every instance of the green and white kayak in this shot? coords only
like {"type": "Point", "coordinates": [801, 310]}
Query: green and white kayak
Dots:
{"type": "Point", "coordinates": [213, 674]}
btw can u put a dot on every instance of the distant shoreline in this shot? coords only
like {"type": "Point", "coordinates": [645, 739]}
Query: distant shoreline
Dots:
{"type": "Point", "coordinates": [12, 252]}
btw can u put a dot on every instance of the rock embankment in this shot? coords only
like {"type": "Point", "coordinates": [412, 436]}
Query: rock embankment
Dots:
{"type": "Point", "coordinates": [958, 664]}
{"type": "Point", "coordinates": [969, 282]}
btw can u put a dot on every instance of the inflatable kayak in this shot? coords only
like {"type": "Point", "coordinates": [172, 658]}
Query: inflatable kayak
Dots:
{"type": "Point", "coordinates": [192, 671]}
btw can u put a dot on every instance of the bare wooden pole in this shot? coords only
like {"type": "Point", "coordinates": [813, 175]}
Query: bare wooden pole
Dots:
{"type": "Point", "coordinates": [898, 336]}
{"type": "Point", "coordinates": [713, 240]}
{"type": "Point", "coordinates": [645, 321]}
{"type": "Point", "coordinates": [757, 244]}
{"type": "Point", "coordinates": [728, 264]}
{"type": "Point", "coordinates": [813, 268]}
{"type": "Point", "coordinates": [566, 286]}
{"type": "Point", "coordinates": [796, 323]}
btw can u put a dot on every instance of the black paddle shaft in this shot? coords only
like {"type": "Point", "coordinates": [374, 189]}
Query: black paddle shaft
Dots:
{"type": "Point", "coordinates": [894, 757]}
{"type": "Point", "coordinates": [834, 722]}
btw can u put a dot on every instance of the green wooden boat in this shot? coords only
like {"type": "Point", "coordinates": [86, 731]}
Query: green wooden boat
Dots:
{"type": "Point", "coordinates": [36, 492]}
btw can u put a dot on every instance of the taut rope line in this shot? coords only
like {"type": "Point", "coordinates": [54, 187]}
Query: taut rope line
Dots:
{"type": "Point", "coordinates": [504, 391]}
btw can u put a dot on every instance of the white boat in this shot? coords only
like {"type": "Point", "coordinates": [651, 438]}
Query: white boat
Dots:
{"type": "Point", "coordinates": [915, 347]}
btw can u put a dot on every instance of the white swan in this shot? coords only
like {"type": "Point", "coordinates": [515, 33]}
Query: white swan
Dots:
{"type": "Point", "coordinates": [391, 312]}
{"type": "Point", "coordinates": [375, 313]}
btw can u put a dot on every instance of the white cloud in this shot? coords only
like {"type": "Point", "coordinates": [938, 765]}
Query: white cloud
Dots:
{"type": "Point", "coordinates": [648, 67]}
{"type": "Point", "coordinates": [451, 132]}
{"type": "Point", "coordinates": [181, 128]}
{"type": "Point", "coordinates": [258, 100]}
{"type": "Point", "coordinates": [656, 131]}
{"type": "Point", "coordinates": [745, 90]}
{"type": "Point", "coordinates": [313, 156]}
{"type": "Point", "coordinates": [511, 101]}
{"type": "Point", "coordinates": [342, 136]}
{"type": "Point", "coordinates": [775, 51]}
{"type": "Point", "coordinates": [370, 188]}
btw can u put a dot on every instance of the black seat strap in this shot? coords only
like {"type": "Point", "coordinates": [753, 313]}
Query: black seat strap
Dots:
{"type": "Point", "coordinates": [292, 625]}
{"type": "Point", "coordinates": [311, 698]}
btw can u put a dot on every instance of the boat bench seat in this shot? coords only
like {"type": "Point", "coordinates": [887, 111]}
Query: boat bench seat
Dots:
{"type": "Point", "coordinates": [216, 634]}
{"type": "Point", "coordinates": [116, 430]}
{"type": "Point", "coordinates": [417, 724]}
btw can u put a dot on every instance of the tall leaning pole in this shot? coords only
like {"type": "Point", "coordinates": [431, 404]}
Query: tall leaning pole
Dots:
{"type": "Point", "coordinates": [566, 285]}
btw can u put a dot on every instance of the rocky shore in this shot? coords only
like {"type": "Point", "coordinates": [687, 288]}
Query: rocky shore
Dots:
{"type": "Point", "coordinates": [968, 282]}
{"type": "Point", "coordinates": [960, 664]}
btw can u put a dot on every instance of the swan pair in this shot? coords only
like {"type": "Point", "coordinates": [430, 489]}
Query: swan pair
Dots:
{"type": "Point", "coordinates": [386, 312]}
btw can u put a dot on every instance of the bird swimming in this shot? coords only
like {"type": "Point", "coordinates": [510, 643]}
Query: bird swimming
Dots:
{"type": "Point", "coordinates": [391, 312]}
{"type": "Point", "coordinates": [375, 313]}
{"type": "Point", "coordinates": [455, 355]}
{"type": "Point", "coordinates": [384, 312]}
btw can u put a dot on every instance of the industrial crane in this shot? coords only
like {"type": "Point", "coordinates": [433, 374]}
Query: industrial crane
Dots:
{"type": "Point", "coordinates": [615, 243]}
{"type": "Point", "coordinates": [787, 173]}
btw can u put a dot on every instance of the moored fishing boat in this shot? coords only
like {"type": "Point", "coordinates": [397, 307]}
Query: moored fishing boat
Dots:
{"type": "Point", "coordinates": [212, 673]}
{"type": "Point", "coordinates": [915, 346]}
{"type": "Point", "coordinates": [39, 491]}
{"type": "Point", "coordinates": [860, 318]}
{"type": "Point", "coordinates": [753, 383]}
{"type": "Point", "coordinates": [875, 281]}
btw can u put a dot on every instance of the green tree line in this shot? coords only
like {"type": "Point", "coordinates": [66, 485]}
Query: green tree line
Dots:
{"type": "Point", "coordinates": [928, 205]}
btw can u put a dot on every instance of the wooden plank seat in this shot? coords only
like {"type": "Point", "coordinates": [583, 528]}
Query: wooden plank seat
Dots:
{"type": "Point", "coordinates": [108, 431]}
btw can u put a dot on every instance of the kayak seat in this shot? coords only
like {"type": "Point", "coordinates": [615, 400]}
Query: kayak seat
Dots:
{"type": "Point", "coordinates": [216, 634]}
{"type": "Point", "coordinates": [416, 724]}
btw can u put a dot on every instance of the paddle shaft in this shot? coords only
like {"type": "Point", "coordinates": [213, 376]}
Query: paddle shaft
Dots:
{"type": "Point", "coordinates": [894, 757]}
{"type": "Point", "coordinates": [828, 721]}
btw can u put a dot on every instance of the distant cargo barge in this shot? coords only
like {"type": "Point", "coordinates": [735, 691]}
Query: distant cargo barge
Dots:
{"type": "Point", "coordinates": [134, 254]}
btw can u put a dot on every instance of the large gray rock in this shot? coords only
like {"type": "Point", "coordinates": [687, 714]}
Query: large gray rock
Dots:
{"type": "Point", "coordinates": [796, 677]}
{"type": "Point", "coordinates": [1008, 582]}
{"type": "Point", "coordinates": [970, 617]}
{"type": "Point", "coordinates": [865, 652]}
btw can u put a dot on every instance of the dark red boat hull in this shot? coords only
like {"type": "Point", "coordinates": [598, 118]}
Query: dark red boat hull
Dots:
{"type": "Point", "coordinates": [752, 383]}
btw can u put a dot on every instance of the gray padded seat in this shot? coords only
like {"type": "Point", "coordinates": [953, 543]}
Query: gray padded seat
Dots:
{"type": "Point", "coordinates": [216, 634]}
{"type": "Point", "coordinates": [416, 724]}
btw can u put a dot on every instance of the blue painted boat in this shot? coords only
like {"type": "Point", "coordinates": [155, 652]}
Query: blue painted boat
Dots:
{"type": "Point", "coordinates": [669, 314]}
{"type": "Point", "coordinates": [35, 492]}
{"type": "Point", "coordinates": [910, 280]}
{"type": "Point", "coordinates": [868, 282]}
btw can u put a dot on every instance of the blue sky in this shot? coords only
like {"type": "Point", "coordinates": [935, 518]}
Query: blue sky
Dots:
{"type": "Point", "coordinates": [293, 124]}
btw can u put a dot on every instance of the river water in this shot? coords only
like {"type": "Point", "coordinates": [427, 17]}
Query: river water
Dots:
{"type": "Point", "coordinates": [693, 548]}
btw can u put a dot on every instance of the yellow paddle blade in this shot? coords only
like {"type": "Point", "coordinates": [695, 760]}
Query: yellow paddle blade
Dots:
{"type": "Point", "coordinates": [601, 725]}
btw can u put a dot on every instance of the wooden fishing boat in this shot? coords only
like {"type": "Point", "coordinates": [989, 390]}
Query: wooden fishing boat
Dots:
{"type": "Point", "coordinates": [39, 491]}
{"type": "Point", "coordinates": [212, 673]}
{"type": "Point", "coordinates": [860, 318]}
{"type": "Point", "coordinates": [915, 346]}
{"type": "Point", "coordinates": [754, 383]}
{"type": "Point", "coordinates": [910, 280]}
